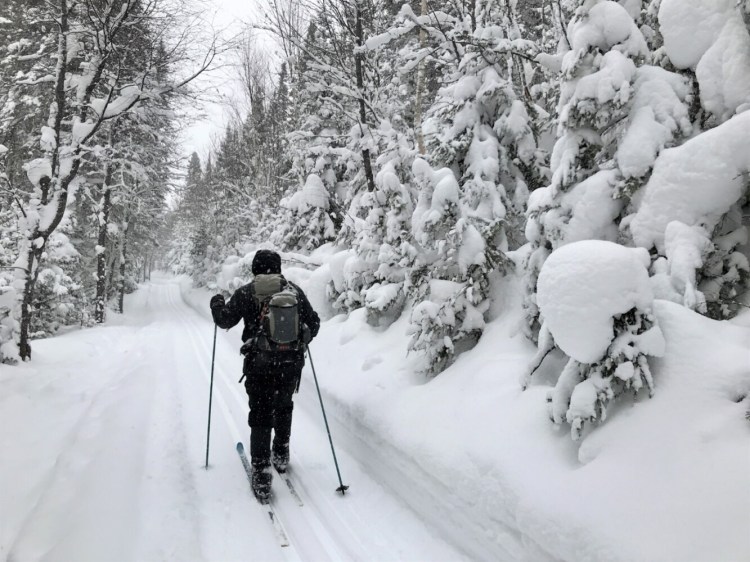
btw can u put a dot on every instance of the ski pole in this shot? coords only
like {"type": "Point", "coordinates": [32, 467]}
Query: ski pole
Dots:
{"type": "Point", "coordinates": [210, 397]}
{"type": "Point", "coordinates": [342, 488]}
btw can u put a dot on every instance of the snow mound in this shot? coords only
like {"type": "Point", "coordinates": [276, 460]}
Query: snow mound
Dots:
{"type": "Point", "coordinates": [583, 285]}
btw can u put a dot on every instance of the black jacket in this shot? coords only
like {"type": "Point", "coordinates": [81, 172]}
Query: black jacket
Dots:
{"type": "Point", "coordinates": [243, 306]}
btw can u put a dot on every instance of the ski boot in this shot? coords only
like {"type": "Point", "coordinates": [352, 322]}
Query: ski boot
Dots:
{"type": "Point", "coordinates": [262, 480]}
{"type": "Point", "coordinates": [280, 458]}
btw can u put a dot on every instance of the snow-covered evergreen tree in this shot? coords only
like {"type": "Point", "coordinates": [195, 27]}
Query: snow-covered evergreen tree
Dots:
{"type": "Point", "coordinates": [691, 212]}
{"type": "Point", "coordinates": [616, 114]}
{"type": "Point", "coordinates": [699, 238]}
{"type": "Point", "coordinates": [309, 224]}
{"type": "Point", "coordinates": [318, 121]}
{"type": "Point", "coordinates": [384, 242]}
{"type": "Point", "coordinates": [449, 275]}
{"type": "Point", "coordinates": [478, 133]}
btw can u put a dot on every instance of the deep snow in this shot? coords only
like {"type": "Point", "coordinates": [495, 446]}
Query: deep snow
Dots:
{"type": "Point", "coordinates": [103, 439]}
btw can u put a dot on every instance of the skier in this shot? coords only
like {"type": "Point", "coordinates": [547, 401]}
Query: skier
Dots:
{"type": "Point", "coordinates": [274, 310]}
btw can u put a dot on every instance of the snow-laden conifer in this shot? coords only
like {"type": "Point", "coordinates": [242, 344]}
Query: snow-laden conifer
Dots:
{"type": "Point", "coordinates": [617, 113]}
{"type": "Point", "coordinates": [691, 213]}
{"type": "Point", "coordinates": [309, 223]}
{"type": "Point", "coordinates": [482, 155]}
{"type": "Point", "coordinates": [596, 301]}
{"type": "Point", "coordinates": [375, 275]}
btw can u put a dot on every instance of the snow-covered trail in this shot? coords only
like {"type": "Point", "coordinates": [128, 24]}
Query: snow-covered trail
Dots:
{"type": "Point", "coordinates": [107, 435]}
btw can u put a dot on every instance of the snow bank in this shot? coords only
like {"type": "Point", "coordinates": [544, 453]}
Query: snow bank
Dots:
{"type": "Point", "coordinates": [667, 480]}
{"type": "Point", "coordinates": [583, 285]}
{"type": "Point", "coordinates": [695, 183]}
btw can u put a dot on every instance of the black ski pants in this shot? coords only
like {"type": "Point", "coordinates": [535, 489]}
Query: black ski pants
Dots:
{"type": "Point", "coordinates": [270, 383]}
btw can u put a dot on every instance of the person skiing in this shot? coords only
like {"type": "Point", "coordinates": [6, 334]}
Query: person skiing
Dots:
{"type": "Point", "coordinates": [279, 323]}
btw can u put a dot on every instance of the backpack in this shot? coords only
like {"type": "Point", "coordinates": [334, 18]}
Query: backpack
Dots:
{"type": "Point", "coordinates": [279, 324]}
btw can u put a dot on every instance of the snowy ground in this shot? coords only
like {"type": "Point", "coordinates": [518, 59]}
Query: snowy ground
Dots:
{"type": "Point", "coordinates": [103, 438]}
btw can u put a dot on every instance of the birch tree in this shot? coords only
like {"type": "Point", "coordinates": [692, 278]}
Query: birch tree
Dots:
{"type": "Point", "coordinates": [79, 65]}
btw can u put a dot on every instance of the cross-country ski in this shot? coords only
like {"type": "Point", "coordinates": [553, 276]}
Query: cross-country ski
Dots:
{"type": "Point", "coordinates": [287, 479]}
{"type": "Point", "coordinates": [266, 503]}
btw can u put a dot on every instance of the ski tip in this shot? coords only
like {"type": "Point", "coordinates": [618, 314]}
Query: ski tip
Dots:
{"type": "Point", "coordinates": [240, 447]}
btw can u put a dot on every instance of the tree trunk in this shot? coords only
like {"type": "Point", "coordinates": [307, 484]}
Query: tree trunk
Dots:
{"type": "Point", "coordinates": [36, 238]}
{"type": "Point", "coordinates": [100, 302]}
{"type": "Point", "coordinates": [123, 257]}
{"type": "Point", "coordinates": [362, 108]}
{"type": "Point", "coordinates": [29, 282]}
{"type": "Point", "coordinates": [421, 72]}
{"type": "Point", "coordinates": [745, 12]}
{"type": "Point", "coordinates": [121, 279]}
{"type": "Point", "coordinates": [111, 270]}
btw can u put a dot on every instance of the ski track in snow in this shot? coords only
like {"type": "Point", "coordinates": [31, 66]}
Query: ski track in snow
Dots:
{"type": "Point", "coordinates": [124, 480]}
{"type": "Point", "coordinates": [337, 530]}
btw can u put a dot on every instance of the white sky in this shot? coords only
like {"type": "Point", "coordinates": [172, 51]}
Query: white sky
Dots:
{"type": "Point", "coordinates": [228, 16]}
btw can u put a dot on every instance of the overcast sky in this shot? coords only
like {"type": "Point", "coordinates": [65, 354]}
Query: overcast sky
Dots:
{"type": "Point", "coordinates": [229, 16]}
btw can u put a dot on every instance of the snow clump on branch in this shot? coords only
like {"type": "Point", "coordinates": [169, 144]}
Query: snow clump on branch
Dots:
{"type": "Point", "coordinates": [691, 212]}
{"type": "Point", "coordinates": [711, 38]}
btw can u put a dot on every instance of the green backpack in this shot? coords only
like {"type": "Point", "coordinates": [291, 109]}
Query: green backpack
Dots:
{"type": "Point", "coordinates": [279, 313]}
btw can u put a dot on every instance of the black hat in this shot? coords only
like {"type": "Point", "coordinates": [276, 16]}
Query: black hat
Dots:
{"type": "Point", "coordinates": [266, 261]}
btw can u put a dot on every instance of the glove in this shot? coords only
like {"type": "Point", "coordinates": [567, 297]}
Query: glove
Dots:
{"type": "Point", "coordinates": [306, 334]}
{"type": "Point", "coordinates": [250, 346]}
{"type": "Point", "coordinates": [217, 301]}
